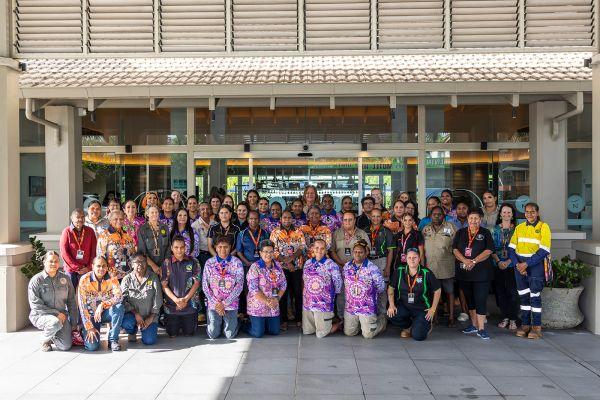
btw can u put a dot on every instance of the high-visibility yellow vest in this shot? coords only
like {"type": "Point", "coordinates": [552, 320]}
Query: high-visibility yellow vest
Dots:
{"type": "Point", "coordinates": [528, 239]}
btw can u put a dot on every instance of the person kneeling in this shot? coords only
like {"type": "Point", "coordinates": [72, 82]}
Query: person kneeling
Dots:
{"type": "Point", "coordinates": [363, 283]}
{"type": "Point", "coordinates": [142, 298]}
{"type": "Point", "coordinates": [414, 294]}
{"type": "Point", "coordinates": [180, 281]}
{"type": "Point", "coordinates": [322, 281]}
{"type": "Point", "coordinates": [99, 296]}
{"type": "Point", "coordinates": [266, 285]}
{"type": "Point", "coordinates": [53, 304]}
{"type": "Point", "coordinates": [222, 283]}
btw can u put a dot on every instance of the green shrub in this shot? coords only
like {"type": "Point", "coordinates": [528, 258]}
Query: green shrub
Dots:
{"type": "Point", "coordinates": [36, 263]}
{"type": "Point", "coordinates": [569, 273]}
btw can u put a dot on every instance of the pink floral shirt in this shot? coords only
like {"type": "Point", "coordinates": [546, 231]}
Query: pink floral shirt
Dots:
{"type": "Point", "coordinates": [269, 281]}
{"type": "Point", "coordinates": [322, 281]}
{"type": "Point", "coordinates": [223, 280]}
{"type": "Point", "coordinates": [362, 286]}
{"type": "Point", "coordinates": [132, 227]}
{"type": "Point", "coordinates": [332, 220]}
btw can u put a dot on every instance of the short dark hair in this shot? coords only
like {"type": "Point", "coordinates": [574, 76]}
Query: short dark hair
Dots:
{"type": "Point", "coordinates": [446, 191]}
{"type": "Point", "coordinates": [532, 204]}
{"type": "Point", "coordinates": [437, 199]}
{"type": "Point", "coordinates": [276, 203]}
{"type": "Point", "coordinates": [177, 238]}
{"type": "Point", "coordinates": [265, 243]}
{"type": "Point", "coordinates": [222, 239]}
{"type": "Point", "coordinates": [438, 208]}
{"type": "Point", "coordinates": [169, 199]}
{"type": "Point", "coordinates": [475, 210]}
{"type": "Point", "coordinates": [253, 212]}
{"type": "Point", "coordinates": [367, 198]}
{"type": "Point", "coordinates": [136, 255]}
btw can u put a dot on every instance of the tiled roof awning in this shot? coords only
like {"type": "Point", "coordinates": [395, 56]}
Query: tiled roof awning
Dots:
{"type": "Point", "coordinates": [95, 72]}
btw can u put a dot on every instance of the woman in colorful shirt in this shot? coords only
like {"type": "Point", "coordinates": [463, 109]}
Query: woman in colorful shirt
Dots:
{"type": "Point", "coordinates": [116, 246]}
{"type": "Point", "coordinates": [322, 281]}
{"type": "Point", "coordinates": [153, 240]}
{"type": "Point", "coordinates": [167, 217]}
{"type": "Point", "coordinates": [414, 294]}
{"type": "Point", "coordinates": [266, 285]}
{"type": "Point", "coordinates": [273, 220]}
{"type": "Point", "coordinates": [504, 276]}
{"type": "Point", "coordinates": [363, 283]}
{"type": "Point", "coordinates": [222, 283]}
{"type": "Point", "coordinates": [184, 229]}
{"type": "Point", "coordinates": [181, 279]}
{"type": "Point", "coordinates": [314, 230]}
{"type": "Point", "coordinates": [298, 215]}
{"type": "Point", "coordinates": [133, 221]}
{"type": "Point", "coordinates": [394, 224]}
{"type": "Point", "coordinates": [331, 218]}
{"type": "Point", "coordinates": [289, 249]}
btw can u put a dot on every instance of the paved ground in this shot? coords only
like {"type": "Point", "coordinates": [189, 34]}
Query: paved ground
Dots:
{"type": "Point", "coordinates": [449, 365]}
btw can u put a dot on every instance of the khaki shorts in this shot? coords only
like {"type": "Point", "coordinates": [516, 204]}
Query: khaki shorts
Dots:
{"type": "Point", "coordinates": [317, 322]}
{"type": "Point", "coordinates": [369, 325]}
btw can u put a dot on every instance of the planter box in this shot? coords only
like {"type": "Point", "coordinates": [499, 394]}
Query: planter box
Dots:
{"type": "Point", "coordinates": [560, 308]}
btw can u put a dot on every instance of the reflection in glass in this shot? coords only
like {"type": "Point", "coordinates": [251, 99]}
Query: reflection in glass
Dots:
{"type": "Point", "coordinates": [477, 123]}
{"type": "Point", "coordinates": [32, 194]}
{"type": "Point", "coordinates": [579, 190]}
{"type": "Point", "coordinates": [392, 175]}
{"type": "Point", "coordinates": [579, 127]}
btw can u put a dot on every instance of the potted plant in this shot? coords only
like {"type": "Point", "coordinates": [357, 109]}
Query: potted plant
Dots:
{"type": "Point", "coordinates": [36, 263]}
{"type": "Point", "coordinates": [560, 300]}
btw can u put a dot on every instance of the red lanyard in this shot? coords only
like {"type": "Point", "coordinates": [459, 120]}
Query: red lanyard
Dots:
{"type": "Point", "coordinates": [80, 240]}
{"type": "Point", "coordinates": [414, 282]}
{"type": "Point", "coordinates": [471, 238]}
{"type": "Point", "coordinates": [348, 238]}
{"type": "Point", "coordinates": [223, 269]}
{"type": "Point", "coordinates": [404, 241]}
{"type": "Point", "coordinates": [255, 241]}
{"type": "Point", "coordinates": [374, 235]}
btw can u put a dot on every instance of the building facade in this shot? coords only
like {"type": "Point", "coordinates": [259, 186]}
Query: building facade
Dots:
{"type": "Point", "coordinates": [417, 96]}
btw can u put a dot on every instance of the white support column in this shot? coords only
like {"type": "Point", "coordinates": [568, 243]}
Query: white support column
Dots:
{"type": "Point", "coordinates": [548, 163]}
{"type": "Point", "coordinates": [191, 162]}
{"type": "Point", "coordinates": [596, 150]}
{"type": "Point", "coordinates": [9, 155]}
{"type": "Point", "coordinates": [64, 180]}
{"type": "Point", "coordinates": [421, 166]}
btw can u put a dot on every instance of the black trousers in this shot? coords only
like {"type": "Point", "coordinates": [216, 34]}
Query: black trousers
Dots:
{"type": "Point", "coordinates": [294, 291]}
{"type": "Point", "coordinates": [185, 323]}
{"type": "Point", "coordinates": [243, 306]}
{"type": "Point", "coordinates": [506, 292]}
{"type": "Point", "coordinates": [476, 294]}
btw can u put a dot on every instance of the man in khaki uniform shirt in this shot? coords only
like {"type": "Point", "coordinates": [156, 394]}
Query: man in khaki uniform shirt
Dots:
{"type": "Point", "coordinates": [438, 236]}
{"type": "Point", "coordinates": [342, 242]}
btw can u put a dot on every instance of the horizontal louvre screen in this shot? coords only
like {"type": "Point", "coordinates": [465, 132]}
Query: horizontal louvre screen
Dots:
{"type": "Point", "coordinates": [414, 24]}
{"type": "Point", "coordinates": [192, 25]}
{"type": "Point", "coordinates": [337, 24]}
{"type": "Point", "coordinates": [484, 23]}
{"type": "Point", "coordinates": [121, 26]}
{"type": "Point", "coordinates": [559, 23]}
{"type": "Point", "coordinates": [48, 26]}
{"type": "Point", "coordinates": [265, 25]}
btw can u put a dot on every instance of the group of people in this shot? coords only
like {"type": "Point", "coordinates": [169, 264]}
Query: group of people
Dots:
{"type": "Point", "coordinates": [259, 265]}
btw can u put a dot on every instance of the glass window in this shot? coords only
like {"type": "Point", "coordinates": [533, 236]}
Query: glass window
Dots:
{"type": "Point", "coordinates": [579, 127]}
{"type": "Point", "coordinates": [284, 180]}
{"type": "Point", "coordinates": [32, 194]}
{"type": "Point", "coordinates": [135, 126]}
{"type": "Point", "coordinates": [469, 173]}
{"type": "Point", "coordinates": [129, 175]}
{"type": "Point", "coordinates": [390, 174]}
{"type": "Point", "coordinates": [477, 123]}
{"type": "Point", "coordinates": [238, 125]}
{"type": "Point", "coordinates": [579, 190]}
{"type": "Point", "coordinates": [30, 133]}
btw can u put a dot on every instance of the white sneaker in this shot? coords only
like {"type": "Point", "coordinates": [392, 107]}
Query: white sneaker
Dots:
{"type": "Point", "coordinates": [462, 317]}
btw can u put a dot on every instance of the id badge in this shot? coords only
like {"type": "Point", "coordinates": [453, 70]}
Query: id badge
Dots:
{"type": "Point", "coordinates": [403, 258]}
{"type": "Point", "coordinates": [79, 255]}
{"type": "Point", "coordinates": [504, 255]}
{"type": "Point", "coordinates": [347, 251]}
{"type": "Point", "coordinates": [411, 298]}
{"type": "Point", "coordinates": [256, 253]}
{"type": "Point", "coordinates": [463, 266]}
{"type": "Point", "coordinates": [222, 284]}
{"type": "Point", "coordinates": [356, 291]}
{"type": "Point", "coordinates": [372, 253]}
{"type": "Point", "coordinates": [156, 252]}
{"type": "Point", "coordinates": [274, 292]}
{"type": "Point", "coordinates": [468, 251]}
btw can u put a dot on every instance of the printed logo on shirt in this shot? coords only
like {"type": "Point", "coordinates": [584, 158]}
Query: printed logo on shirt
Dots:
{"type": "Point", "coordinates": [149, 283]}
{"type": "Point", "coordinates": [479, 237]}
{"type": "Point", "coordinates": [63, 281]}
{"type": "Point", "coordinates": [419, 280]}
{"type": "Point", "coordinates": [537, 231]}
{"type": "Point", "coordinates": [188, 268]}
{"type": "Point", "coordinates": [163, 232]}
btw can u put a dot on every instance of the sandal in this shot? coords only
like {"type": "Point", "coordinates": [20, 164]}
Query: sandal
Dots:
{"type": "Point", "coordinates": [503, 324]}
{"type": "Point", "coordinates": [513, 325]}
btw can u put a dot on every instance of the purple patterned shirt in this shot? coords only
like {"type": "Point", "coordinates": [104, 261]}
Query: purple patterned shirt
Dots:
{"type": "Point", "coordinates": [268, 281]}
{"type": "Point", "coordinates": [223, 280]}
{"type": "Point", "coordinates": [322, 281]}
{"type": "Point", "coordinates": [333, 220]}
{"type": "Point", "coordinates": [298, 221]}
{"type": "Point", "coordinates": [269, 224]}
{"type": "Point", "coordinates": [132, 227]}
{"type": "Point", "coordinates": [188, 242]}
{"type": "Point", "coordinates": [362, 285]}
{"type": "Point", "coordinates": [168, 221]}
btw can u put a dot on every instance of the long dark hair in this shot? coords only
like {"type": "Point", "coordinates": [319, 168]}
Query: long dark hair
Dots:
{"type": "Point", "coordinates": [188, 228]}
{"type": "Point", "coordinates": [513, 220]}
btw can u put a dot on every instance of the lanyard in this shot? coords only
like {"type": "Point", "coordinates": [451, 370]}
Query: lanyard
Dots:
{"type": "Point", "coordinates": [223, 268]}
{"type": "Point", "coordinates": [356, 270]}
{"type": "Point", "coordinates": [471, 238]}
{"type": "Point", "coordinates": [154, 235]}
{"type": "Point", "coordinates": [404, 241]}
{"type": "Point", "coordinates": [414, 282]}
{"type": "Point", "coordinates": [255, 241]}
{"type": "Point", "coordinates": [226, 230]}
{"type": "Point", "coordinates": [374, 235]}
{"type": "Point", "coordinates": [80, 240]}
{"type": "Point", "coordinates": [348, 237]}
